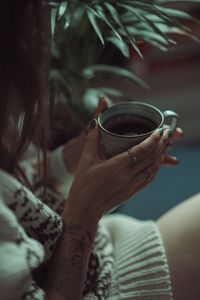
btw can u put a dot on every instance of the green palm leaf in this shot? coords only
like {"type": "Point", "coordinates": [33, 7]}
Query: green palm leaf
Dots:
{"type": "Point", "coordinates": [90, 72]}
{"type": "Point", "coordinates": [92, 19]}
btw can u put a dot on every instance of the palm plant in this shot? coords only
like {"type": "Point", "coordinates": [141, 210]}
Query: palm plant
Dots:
{"type": "Point", "coordinates": [82, 30]}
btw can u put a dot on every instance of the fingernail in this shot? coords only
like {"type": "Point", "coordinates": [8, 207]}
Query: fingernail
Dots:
{"type": "Point", "coordinates": [93, 123]}
{"type": "Point", "coordinates": [106, 100]}
{"type": "Point", "coordinates": [180, 130]}
{"type": "Point", "coordinates": [176, 159]}
{"type": "Point", "coordinates": [102, 99]}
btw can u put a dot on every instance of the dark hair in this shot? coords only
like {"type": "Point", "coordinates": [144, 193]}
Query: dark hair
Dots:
{"type": "Point", "coordinates": [24, 66]}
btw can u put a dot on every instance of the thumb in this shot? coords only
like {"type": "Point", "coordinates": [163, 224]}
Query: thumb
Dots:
{"type": "Point", "coordinates": [92, 144]}
{"type": "Point", "coordinates": [103, 104]}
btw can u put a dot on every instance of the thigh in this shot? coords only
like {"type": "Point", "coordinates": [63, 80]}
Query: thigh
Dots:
{"type": "Point", "coordinates": [180, 230]}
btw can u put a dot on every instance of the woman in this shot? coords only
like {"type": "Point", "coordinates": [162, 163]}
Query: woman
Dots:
{"type": "Point", "coordinates": [65, 247]}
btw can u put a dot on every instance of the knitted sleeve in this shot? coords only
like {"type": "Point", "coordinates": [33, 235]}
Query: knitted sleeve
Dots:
{"type": "Point", "coordinates": [20, 255]}
{"type": "Point", "coordinates": [55, 198]}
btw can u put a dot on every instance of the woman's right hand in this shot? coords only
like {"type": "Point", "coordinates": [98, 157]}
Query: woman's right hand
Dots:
{"type": "Point", "coordinates": [100, 185]}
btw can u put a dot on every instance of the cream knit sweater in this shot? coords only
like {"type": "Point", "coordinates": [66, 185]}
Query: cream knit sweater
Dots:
{"type": "Point", "coordinates": [128, 260]}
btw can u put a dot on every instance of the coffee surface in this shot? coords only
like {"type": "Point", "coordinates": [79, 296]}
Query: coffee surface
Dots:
{"type": "Point", "coordinates": [129, 124]}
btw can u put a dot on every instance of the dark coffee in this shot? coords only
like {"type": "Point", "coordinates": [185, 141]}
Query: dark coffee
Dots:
{"type": "Point", "coordinates": [129, 124]}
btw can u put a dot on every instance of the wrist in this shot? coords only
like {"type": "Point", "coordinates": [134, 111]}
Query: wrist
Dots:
{"type": "Point", "coordinates": [80, 216]}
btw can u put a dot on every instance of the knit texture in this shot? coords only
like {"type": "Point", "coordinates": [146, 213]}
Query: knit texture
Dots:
{"type": "Point", "coordinates": [141, 270]}
{"type": "Point", "coordinates": [128, 260]}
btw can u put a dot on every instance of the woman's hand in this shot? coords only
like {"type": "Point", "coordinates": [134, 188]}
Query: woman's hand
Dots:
{"type": "Point", "coordinates": [73, 149]}
{"type": "Point", "coordinates": [100, 185]}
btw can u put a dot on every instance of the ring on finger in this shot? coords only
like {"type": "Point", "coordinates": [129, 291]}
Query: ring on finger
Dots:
{"type": "Point", "coordinates": [132, 157]}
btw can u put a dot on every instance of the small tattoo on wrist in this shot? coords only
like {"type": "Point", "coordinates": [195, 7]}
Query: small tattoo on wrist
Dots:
{"type": "Point", "coordinates": [77, 262]}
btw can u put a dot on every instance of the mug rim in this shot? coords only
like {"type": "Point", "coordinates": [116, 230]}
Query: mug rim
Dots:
{"type": "Point", "coordinates": [131, 136]}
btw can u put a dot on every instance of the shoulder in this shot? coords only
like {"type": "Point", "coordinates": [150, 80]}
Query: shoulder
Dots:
{"type": "Point", "coordinates": [12, 229]}
{"type": "Point", "coordinates": [15, 194]}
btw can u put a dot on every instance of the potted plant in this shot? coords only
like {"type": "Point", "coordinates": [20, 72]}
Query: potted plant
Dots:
{"type": "Point", "coordinates": [85, 35]}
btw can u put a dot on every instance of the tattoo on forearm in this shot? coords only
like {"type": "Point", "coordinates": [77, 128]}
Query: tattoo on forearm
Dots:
{"type": "Point", "coordinates": [77, 262]}
{"type": "Point", "coordinates": [79, 245]}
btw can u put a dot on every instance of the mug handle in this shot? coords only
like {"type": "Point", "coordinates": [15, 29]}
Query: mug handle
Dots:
{"type": "Point", "coordinates": [170, 114]}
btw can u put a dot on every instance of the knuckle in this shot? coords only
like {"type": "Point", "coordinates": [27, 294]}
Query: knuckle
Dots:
{"type": "Point", "coordinates": [142, 150]}
{"type": "Point", "coordinates": [155, 154]}
{"type": "Point", "coordinates": [155, 137]}
{"type": "Point", "coordinates": [162, 145]}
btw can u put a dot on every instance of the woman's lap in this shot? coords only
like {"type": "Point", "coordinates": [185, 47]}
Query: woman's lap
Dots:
{"type": "Point", "coordinates": [180, 231]}
{"type": "Point", "coordinates": [140, 260]}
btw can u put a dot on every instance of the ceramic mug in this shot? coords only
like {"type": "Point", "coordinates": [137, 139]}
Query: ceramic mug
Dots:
{"type": "Point", "coordinates": [126, 124]}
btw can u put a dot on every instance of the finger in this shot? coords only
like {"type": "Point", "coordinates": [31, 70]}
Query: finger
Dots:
{"type": "Point", "coordinates": [141, 180]}
{"type": "Point", "coordinates": [153, 157]}
{"type": "Point", "coordinates": [148, 174]}
{"type": "Point", "coordinates": [137, 183]}
{"type": "Point", "coordinates": [170, 161]}
{"type": "Point", "coordinates": [177, 134]}
{"type": "Point", "coordinates": [139, 151]}
{"type": "Point", "coordinates": [103, 104]}
{"type": "Point", "coordinates": [169, 145]}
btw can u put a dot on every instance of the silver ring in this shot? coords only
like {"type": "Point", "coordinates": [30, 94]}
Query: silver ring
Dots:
{"type": "Point", "coordinates": [147, 175]}
{"type": "Point", "coordinates": [132, 157]}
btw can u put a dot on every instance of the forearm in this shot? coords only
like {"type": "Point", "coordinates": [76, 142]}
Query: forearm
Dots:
{"type": "Point", "coordinates": [67, 270]}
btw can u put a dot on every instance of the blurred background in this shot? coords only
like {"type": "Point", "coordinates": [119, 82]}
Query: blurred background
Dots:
{"type": "Point", "coordinates": [100, 41]}
{"type": "Point", "coordinates": [174, 80]}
